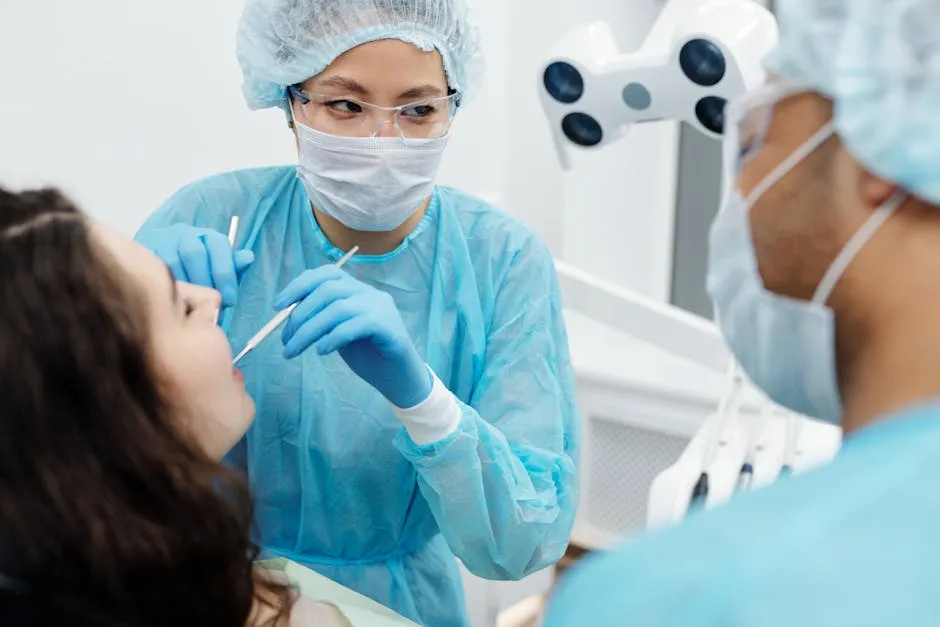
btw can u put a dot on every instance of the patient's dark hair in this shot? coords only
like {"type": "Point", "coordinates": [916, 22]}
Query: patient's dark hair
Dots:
{"type": "Point", "coordinates": [104, 503]}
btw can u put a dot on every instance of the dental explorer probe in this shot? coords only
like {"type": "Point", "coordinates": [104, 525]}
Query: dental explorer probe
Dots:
{"type": "Point", "coordinates": [282, 316]}
{"type": "Point", "coordinates": [232, 233]}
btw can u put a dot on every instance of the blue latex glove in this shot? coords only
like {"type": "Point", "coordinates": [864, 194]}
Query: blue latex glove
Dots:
{"type": "Point", "coordinates": [338, 313]}
{"type": "Point", "coordinates": [200, 256]}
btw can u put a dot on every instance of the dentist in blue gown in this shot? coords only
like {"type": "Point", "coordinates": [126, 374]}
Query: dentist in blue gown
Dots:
{"type": "Point", "coordinates": [420, 403]}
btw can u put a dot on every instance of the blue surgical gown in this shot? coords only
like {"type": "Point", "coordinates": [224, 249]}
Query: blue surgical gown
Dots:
{"type": "Point", "coordinates": [855, 543]}
{"type": "Point", "coordinates": [338, 484]}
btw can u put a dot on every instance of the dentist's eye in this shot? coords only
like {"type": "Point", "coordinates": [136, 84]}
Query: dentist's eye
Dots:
{"type": "Point", "coordinates": [420, 111]}
{"type": "Point", "coordinates": [344, 106]}
{"type": "Point", "coordinates": [745, 151]}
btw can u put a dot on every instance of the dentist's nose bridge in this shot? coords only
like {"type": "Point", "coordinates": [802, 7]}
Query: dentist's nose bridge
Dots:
{"type": "Point", "coordinates": [387, 128]}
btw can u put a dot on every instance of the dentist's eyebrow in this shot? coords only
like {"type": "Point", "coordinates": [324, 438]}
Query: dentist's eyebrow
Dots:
{"type": "Point", "coordinates": [345, 84]}
{"type": "Point", "coordinates": [424, 91]}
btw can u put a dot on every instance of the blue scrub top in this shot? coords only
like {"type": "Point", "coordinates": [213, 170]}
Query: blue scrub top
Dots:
{"type": "Point", "coordinates": [855, 543]}
{"type": "Point", "coordinates": [339, 486]}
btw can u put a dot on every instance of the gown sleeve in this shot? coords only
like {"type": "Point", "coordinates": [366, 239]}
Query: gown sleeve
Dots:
{"type": "Point", "coordinates": [711, 570]}
{"type": "Point", "coordinates": [503, 485]}
{"type": "Point", "coordinates": [208, 203]}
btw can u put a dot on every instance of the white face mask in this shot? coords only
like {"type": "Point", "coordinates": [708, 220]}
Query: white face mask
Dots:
{"type": "Point", "coordinates": [785, 345]}
{"type": "Point", "coordinates": [368, 183]}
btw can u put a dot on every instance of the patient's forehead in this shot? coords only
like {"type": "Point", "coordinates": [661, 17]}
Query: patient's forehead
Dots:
{"type": "Point", "coordinates": [138, 262]}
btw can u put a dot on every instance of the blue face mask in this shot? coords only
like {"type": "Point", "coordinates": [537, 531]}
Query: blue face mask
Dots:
{"type": "Point", "coordinates": [786, 346]}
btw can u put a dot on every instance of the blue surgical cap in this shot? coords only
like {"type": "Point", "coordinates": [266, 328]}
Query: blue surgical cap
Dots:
{"type": "Point", "coordinates": [285, 42]}
{"type": "Point", "coordinates": [879, 62]}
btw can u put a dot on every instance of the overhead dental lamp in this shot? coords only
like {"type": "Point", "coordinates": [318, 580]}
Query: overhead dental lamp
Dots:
{"type": "Point", "coordinates": [698, 55]}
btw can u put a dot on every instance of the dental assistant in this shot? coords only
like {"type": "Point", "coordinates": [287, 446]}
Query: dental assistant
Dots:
{"type": "Point", "coordinates": [825, 274]}
{"type": "Point", "coordinates": [421, 403]}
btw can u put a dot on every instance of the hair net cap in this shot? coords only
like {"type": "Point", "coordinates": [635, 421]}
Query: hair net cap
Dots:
{"type": "Point", "coordinates": [879, 62]}
{"type": "Point", "coordinates": [285, 42]}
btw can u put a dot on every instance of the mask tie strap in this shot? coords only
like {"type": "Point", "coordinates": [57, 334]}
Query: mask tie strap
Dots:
{"type": "Point", "coordinates": [809, 147]}
{"type": "Point", "coordinates": [854, 245]}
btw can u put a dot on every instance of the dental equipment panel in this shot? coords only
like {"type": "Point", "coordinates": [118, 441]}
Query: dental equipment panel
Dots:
{"type": "Point", "coordinates": [754, 449]}
{"type": "Point", "coordinates": [678, 332]}
{"type": "Point", "coordinates": [649, 378]}
{"type": "Point", "coordinates": [699, 54]}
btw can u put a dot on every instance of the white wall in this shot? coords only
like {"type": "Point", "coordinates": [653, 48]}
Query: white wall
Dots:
{"type": "Point", "coordinates": [121, 102]}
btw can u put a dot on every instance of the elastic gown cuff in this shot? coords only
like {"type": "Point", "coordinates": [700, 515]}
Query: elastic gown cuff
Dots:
{"type": "Point", "coordinates": [433, 419]}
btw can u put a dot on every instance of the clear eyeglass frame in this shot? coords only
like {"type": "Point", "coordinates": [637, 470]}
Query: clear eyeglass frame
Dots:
{"type": "Point", "coordinates": [748, 118]}
{"type": "Point", "coordinates": [344, 116]}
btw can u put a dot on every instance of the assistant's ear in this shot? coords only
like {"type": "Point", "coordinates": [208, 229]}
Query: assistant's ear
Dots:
{"type": "Point", "coordinates": [873, 190]}
{"type": "Point", "coordinates": [858, 185]}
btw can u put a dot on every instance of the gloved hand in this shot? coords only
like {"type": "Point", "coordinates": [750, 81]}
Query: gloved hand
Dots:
{"type": "Point", "coordinates": [200, 256]}
{"type": "Point", "coordinates": [339, 313]}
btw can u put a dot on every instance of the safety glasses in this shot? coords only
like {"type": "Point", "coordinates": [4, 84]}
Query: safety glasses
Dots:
{"type": "Point", "coordinates": [748, 118]}
{"type": "Point", "coordinates": [343, 116]}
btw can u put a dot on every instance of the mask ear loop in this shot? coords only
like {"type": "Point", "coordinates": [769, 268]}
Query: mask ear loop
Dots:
{"type": "Point", "coordinates": [289, 110]}
{"type": "Point", "coordinates": [809, 147]}
{"type": "Point", "coordinates": [854, 245]}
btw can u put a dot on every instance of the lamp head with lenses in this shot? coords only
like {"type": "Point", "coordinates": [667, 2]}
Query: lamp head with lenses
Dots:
{"type": "Point", "coordinates": [698, 55]}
